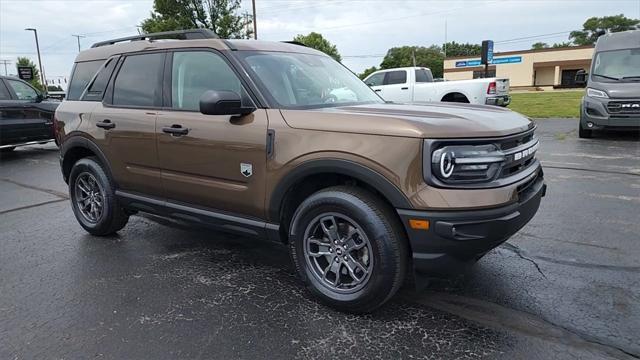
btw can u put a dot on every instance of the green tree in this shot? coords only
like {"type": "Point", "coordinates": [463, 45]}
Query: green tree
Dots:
{"type": "Point", "coordinates": [595, 25]}
{"type": "Point", "coordinates": [221, 16]}
{"type": "Point", "coordinates": [35, 82]}
{"type": "Point", "coordinates": [562, 44]}
{"type": "Point", "coordinates": [367, 72]}
{"type": "Point", "coordinates": [458, 49]}
{"type": "Point", "coordinates": [318, 42]}
{"type": "Point", "coordinates": [539, 45]}
{"type": "Point", "coordinates": [431, 57]}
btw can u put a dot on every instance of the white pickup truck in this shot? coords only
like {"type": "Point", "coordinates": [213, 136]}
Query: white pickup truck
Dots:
{"type": "Point", "coordinates": [415, 84]}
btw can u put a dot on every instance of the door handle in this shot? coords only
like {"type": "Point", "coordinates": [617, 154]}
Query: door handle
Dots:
{"type": "Point", "coordinates": [175, 130]}
{"type": "Point", "coordinates": [377, 90]}
{"type": "Point", "coordinates": [404, 88]}
{"type": "Point", "coordinates": [105, 124]}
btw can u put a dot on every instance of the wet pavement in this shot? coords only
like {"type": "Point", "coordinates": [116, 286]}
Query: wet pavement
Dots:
{"type": "Point", "coordinates": [566, 286]}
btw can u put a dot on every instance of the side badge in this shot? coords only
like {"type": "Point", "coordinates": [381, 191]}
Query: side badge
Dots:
{"type": "Point", "coordinates": [246, 169]}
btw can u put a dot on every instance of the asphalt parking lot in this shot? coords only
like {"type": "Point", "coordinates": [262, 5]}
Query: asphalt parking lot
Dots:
{"type": "Point", "coordinates": [566, 286]}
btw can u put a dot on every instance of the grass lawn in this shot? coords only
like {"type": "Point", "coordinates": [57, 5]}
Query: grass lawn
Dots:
{"type": "Point", "coordinates": [547, 104]}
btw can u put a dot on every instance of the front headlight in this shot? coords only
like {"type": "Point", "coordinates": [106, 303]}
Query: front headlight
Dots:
{"type": "Point", "coordinates": [597, 93]}
{"type": "Point", "coordinates": [463, 164]}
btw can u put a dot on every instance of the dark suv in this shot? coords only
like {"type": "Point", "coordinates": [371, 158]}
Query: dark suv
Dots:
{"type": "Point", "coordinates": [279, 140]}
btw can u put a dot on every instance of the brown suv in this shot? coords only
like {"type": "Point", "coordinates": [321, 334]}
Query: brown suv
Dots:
{"type": "Point", "coordinates": [279, 140]}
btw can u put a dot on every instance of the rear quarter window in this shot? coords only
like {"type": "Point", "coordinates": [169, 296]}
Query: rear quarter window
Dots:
{"type": "Point", "coordinates": [82, 73]}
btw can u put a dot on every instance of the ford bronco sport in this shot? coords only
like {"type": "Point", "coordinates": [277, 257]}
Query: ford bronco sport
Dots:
{"type": "Point", "coordinates": [279, 140]}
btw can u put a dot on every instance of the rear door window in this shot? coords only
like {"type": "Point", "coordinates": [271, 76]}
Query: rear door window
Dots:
{"type": "Point", "coordinates": [83, 72]}
{"type": "Point", "coordinates": [395, 77]}
{"type": "Point", "coordinates": [139, 81]}
{"type": "Point", "coordinates": [423, 76]}
{"type": "Point", "coordinates": [97, 88]}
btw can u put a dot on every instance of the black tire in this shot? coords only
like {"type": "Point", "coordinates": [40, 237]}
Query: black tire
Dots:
{"type": "Point", "coordinates": [380, 225]}
{"type": "Point", "coordinates": [584, 133]}
{"type": "Point", "coordinates": [112, 217]}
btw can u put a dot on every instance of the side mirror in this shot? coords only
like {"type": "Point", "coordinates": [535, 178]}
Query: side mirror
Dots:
{"type": "Point", "coordinates": [221, 102]}
{"type": "Point", "coordinates": [39, 97]}
{"type": "Point", "coordinates": [581, 77]}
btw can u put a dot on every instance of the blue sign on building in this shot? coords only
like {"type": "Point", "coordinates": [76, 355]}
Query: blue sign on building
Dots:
{"type": "Point", "coordinates": [502, 60]}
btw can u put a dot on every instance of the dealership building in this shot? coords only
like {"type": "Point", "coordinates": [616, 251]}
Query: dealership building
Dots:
{"type": "Point", "coordinates": [550, 68]}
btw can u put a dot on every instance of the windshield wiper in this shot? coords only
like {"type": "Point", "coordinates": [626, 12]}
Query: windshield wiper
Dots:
{"type": "Point", "coordinates": [607, 77]}
{"type": "Point", "coordinates": [631, 77]}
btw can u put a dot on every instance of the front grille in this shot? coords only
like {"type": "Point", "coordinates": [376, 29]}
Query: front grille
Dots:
{"type": "Point", "coordinates": [623, 107]}
{"type": "Point", "coordinates": [520, 153]}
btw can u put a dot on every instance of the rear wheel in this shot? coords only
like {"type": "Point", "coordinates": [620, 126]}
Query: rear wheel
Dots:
{"type": "Point", "coordinates": [348, 248]}
{"type": "Point", "coordinates": [93, 199]}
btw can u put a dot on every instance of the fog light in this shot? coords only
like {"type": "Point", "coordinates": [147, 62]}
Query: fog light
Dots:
{"type": "Point", "coordinates": [589, 124]}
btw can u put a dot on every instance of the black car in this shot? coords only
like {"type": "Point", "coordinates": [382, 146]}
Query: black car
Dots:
{"type": "Point", "coordinates": [26, 117]}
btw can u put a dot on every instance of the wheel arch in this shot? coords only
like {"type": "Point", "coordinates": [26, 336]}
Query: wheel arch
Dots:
{"type": "Point", "coordinates": [333, 171]}
{"type": "Point", "coordinates": [75, 148]}
{"type": "Point", "coordinates": [453, 93]}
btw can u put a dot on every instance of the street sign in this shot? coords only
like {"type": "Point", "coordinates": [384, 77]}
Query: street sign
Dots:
{"type": "Point", "coordinates": [25, 73]}
{"type": "Point", "coordinates": [487, 52]}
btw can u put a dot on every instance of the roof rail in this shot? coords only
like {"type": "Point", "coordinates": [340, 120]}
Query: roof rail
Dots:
{"type": "Point", "coordinates": [176, 35]}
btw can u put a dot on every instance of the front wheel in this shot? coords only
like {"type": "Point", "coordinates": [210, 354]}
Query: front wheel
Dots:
{"type": "Point", "coordinates": [349, 248]}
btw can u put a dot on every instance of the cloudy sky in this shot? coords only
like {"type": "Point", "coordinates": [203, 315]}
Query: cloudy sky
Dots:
{"type": "Point", "coordinates": [363, 30]}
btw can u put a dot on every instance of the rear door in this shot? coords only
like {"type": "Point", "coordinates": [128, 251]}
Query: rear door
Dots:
{"type": "Point", "coordinates": [124, 123]}
{"type": "Point", "coordinates": [216, 161]}
{"type": "Point", "coordinates": [424, 88]}
{"type": "Point", "coordinates": [23, 118]}
{"type": "Point", "coordinates": [395, 86]}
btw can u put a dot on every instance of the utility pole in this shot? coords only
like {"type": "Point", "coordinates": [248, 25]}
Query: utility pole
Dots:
{"type": "Point", "coordinates": [445, 39]}
{"type": "Point", "coordinates": [78, 37]}
{"type": "Point", "coordinates": [5, 63]}
{"type": "Point", "coordinates": [255, 23]}
{"type": "Point", "coordinates": [44, 83]}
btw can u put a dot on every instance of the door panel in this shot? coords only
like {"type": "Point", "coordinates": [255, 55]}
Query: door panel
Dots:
{"type": "Point", "coordinates": [396, 86]}
{"type": "Point", "coordinates": [24, 119]}
{"type": "Point", "coordinates": [203, 157]}
{"type": "Point", "coordinates": [203, 167]}
{"type": "Point", "coordinates": [130, 147]}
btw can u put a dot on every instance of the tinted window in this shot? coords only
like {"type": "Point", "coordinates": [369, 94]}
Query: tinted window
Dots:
{"type": "Point", "coordinates": [22, 90]}
{"type": "Point", "coordinates": [139, 81]}
{"type": "Point", "coordinates": [395, 77]}
{"type": "Point", "coordinates": [4, 92]}
{"type": "Point", "coordinates": [82, 73]}
{"type": "Point", "coordinates": [423, 76]}
{"type": "Point", "coordinates": [193, 73]}
{"type": "Point", "coordinates": [96, 89]}
{"type": "Point", "coordinates": [375, 79]}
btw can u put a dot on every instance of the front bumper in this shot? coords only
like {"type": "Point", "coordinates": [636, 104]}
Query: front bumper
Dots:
{"type": "Point", "coordinates": [456, 237]}
{"type": "Point", "coordinates": [595, 116]}
{"type": "Point", "coordinates": [503, 100]}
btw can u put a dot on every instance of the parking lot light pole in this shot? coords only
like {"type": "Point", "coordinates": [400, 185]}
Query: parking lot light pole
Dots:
{"type": "Point", "coordinates": [44, 84]}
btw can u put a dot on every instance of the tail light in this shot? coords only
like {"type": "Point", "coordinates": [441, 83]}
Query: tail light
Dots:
{"type": "Point", "coordinates": [492, 88]}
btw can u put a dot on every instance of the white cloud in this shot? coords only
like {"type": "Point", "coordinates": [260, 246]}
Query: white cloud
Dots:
{"type": "Point", "coordinates": [357, 27]}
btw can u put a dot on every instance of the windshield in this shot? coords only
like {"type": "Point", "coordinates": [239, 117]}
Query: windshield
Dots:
{"type": "Point", "coordinates": [299, 81]}
{"type": "Point", "coordinates": [618, 64]}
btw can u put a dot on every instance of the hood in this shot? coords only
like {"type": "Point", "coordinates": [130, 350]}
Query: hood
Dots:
{"type": "Point", "coordinates": [618, 90]}
{"type": "Point", "coordinates": [427, 120]}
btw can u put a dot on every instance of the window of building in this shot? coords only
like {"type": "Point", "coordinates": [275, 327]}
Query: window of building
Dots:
{"type": "Point", "coordinates": [479, 74]}
{"type": "Point", "coordinates": [139, 81]}
{"type": "Point", "coordinates": [83, 72]}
